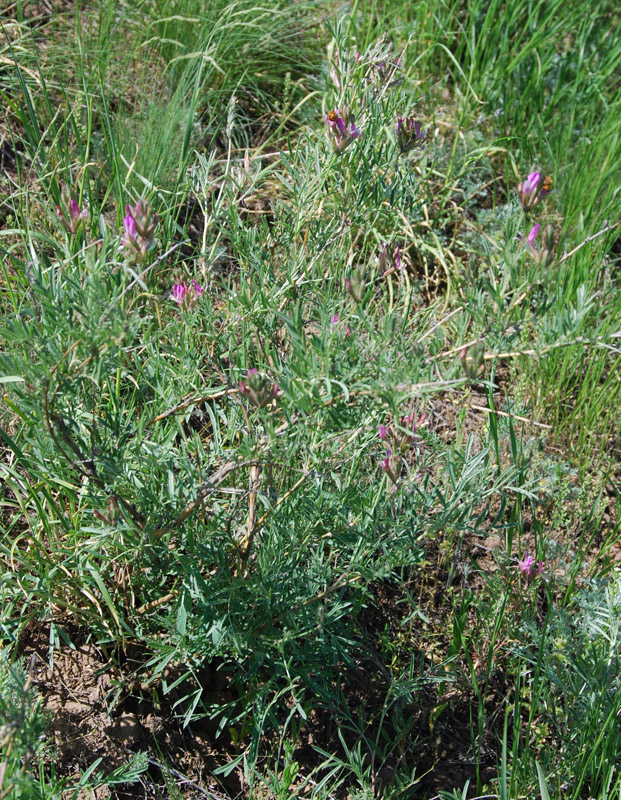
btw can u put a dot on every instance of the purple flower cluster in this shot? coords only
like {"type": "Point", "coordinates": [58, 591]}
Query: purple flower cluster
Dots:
{"type": "Point", "coordinates": [259, 388]}
{"type": "Point", "coordinates": [530, 191]}
{"type": "Point", "coordinates": [186, 294]}
{"type": "Point", "coordinates": [72, 222]}
{"type": "Point", "coordinates": [342, 129]}
{"type": "Point", "coordinates": [391, 465]}
{"type": "Point", "coordinates": [385, 265]}
{"type": "Point", "coordinates": [139, 223]}
{"type": "Point", "coordinates": [540, 253]}
{"type": "Point", "coordinates": [533, 189]}
{"type": "Point", "coordinates": [529, 568]}
{"type": "Point", "coordinates": [409, 135]}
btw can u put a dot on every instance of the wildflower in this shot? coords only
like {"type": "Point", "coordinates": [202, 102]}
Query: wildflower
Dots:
{"type": "Point", "coordinates": [185, 295]}
{"type": "Point", "coordinates": [533, 189]}
{"type": "Point", "coordinates": [397, 256]}
{"type": "Point", "coordinates": [259, 388]}
{"type": "Point", "coordinates": [76, 216]}
{"type": "Point", "coordinates": [383, 432]}
{"type": "Point", "coordinates": [139, 224]}
{"type": "Point", "coordinates": [541, 254]}
{"type": "Point", "coordinates": [409, 135]}
{"type": "Point", "coordinates": [409, 419]}
{"type": "Point", "coordinates": [342, 128]}
{"type": "Point", "coordinates": [390, 465]}
{"type": "Point", "coordinates": [396, 262]}
{"type": "Point", "coordinates": [335, 319]}
{"type": "Point", "coordinates": [528, 568]}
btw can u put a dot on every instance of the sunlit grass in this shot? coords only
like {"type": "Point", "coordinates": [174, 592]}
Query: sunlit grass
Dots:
{"type": "Point", "coordinates": [305, 415]}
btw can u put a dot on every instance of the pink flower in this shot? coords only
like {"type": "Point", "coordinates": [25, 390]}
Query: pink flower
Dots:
{"type": "Point", "coordinates": [129, 223]}
{"type": "Point", "coordinates": [72, 224]}
{"type": "Point", "coordinates": [342, 128]}
{"type": "Point", "coordinates": [179, 291]}
{"type": "Point", "coordinates": [383, 432]}
{"type": "Point", "coordinates": [531, 182]}
{"type": "Point", "coordinates": [139, 224]}
{"type": "Point", "coordinates": [533, 189]}
{"type": "Point", "coordinates": [335, 319]}
{"type": "Point", "coordinates": [397, 257]}
{"type": "Point", "coordinates": [527, 566]}
{"type": "Point", "coordinates": [186, 295]}
{"type": "Point", "coordinates": [533, 235]}
{"type": "Point", "coordinates": [529, 243]}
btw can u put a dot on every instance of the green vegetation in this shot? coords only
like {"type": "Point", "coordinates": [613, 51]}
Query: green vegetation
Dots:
{"type": "Point", "coordinates": [310, 357]}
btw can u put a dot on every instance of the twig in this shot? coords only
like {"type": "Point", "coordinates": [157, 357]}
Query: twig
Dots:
{"type": "Point", "coordinates": [511, 416]}
{"type": "Point", "coordinates": [138, 278]}
{"type": "Point", "coordinates": [190, 402]}
{"type": "Point", "coordinates": [438, 324]}
{"type": "Point", "coordinates": [587, 240]}
{"type": "Point", "coordinates": [206, 488]}
{"type": "Point", "coordinates": [282, 499]}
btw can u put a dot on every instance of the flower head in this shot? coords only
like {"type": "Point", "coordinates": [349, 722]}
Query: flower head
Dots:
{"type": "Point", "coordinates": [184, 294]}
{"type": "Point", "coordinates": [395, 266]}
{"type": "Point", "coordinates": [391, 466]}
{"type": "Point", "coordinates": [541, 253]}
{"type": "Point", "coordinates": [383, 432]}
{"type": "Point", "coordinates": [531, 182]}
{"type": "Point", "coordinates": [408, 133]}
{"type": "Point", "coordinates": [139, 223]}
{"type": "Point", "coordinates": [528, 567]}
{"type": "Point", "coordinates": [533, 189]}
{"type": "Point", "coordinates": [342, 128]}
{"type": "Point", "coordinates": [259, 388]}
{"type": "Point", "coordinates": [71, 222]}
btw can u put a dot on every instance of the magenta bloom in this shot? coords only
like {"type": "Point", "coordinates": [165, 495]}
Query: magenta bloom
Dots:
{"type": "Point", "coordinates": [179, 292]}
{"type": "Point", "coordinates": [342, 128]}
{"type": "Point", "coordinates": [529, 242]}
{"type": "Point", "coordinates": [396, 260]}
{"type": "Point", "coordinates": [139, 223]}
{"type": "Point", "coordinates": [533, 234]}
{"type": "Point", "coordinates": [533, 189]}
{"type": "Point", "coordinates": [75, 216]}
{"type": "Point", "coordinates": [335, 319]}
{"type": "Point", "coordinates": [383, 432]}
{"type": "Point", "coordinates": [528, 568]}
{"type": "Point", "coordinates": [129, 222]}
{"type": "Point", "coordinates": [397, 257]}
{"type": "Point", "coordinates": [531, 182]}
{"type": "Point", "coordinates": [408, 133]}
{"type": "Point", "coordinates": [185, 294]}
{"type": "Point", "coordinates": [385, 463]}
{"type": "Point", "coordinates": [526, 564]}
